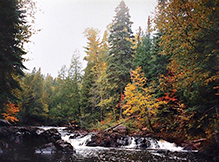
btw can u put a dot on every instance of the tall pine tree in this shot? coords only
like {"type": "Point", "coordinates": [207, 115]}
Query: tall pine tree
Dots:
{"type": "Point", "coordinates": [120, 58]}
{"type": "Point", "coordinates": [13, 25]}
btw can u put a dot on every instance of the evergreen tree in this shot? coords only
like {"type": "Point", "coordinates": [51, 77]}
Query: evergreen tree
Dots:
{"type": "Point", "coordinates": [58, 111]}
{"type": "Point", "coordinates": [66, 98]}
{"type": "Point", "coordinates": [86, 105]}
{"type": "Point", "coordinates": [74, 82]}
{"type": "Point", "coordinates": [92, 87]}
{"type": "Point", "coordinates": [143, 54]}
{"type": "Point", "coordinates": [12, 37]}
{"type": "Point", "coordinates": [89, 96]}
{"type": "Point", "coordinates": [120, 58]}
{"type": "Point", "coordinates": [34, 109]}
{"type": "Point", "coordinates": [48, 86]}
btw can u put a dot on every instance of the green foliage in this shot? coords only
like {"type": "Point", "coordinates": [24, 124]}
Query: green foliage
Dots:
{"type": "Point", "coordinates": [66, 98]}
{"type": "Point", "coordinates": [148, 57]}
{"type": "Point", "coordinates": [143, 54]}
{"type": "Point", "coordinates": [178, 99]}
{"type": "Point", "coordinates": [120, 57]}
{"type": "Point", "coordinates": [13, 33]}
{"type": "Point", "coordinates": [34, 109]}
{"type": "Point", "coordinates": [48, 87]}
{"type": "Point", "coordinates": [190, 38]}
{"type": "Point", "coordinates": [93, 84]}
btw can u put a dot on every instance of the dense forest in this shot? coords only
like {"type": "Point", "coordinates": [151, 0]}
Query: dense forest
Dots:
{"type": "Point", "coordinates": [163, 80]}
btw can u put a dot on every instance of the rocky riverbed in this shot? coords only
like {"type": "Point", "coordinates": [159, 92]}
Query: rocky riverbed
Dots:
{"type": "Point", "coordinates": [17, 142]}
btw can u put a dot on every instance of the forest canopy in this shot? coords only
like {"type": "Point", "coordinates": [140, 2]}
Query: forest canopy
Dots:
{"type": "Point", "coordinates": [164, 80]}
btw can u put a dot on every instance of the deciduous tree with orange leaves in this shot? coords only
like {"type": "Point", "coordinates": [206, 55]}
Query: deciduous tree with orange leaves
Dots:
{"type": "Point", "coordinates": [10, 113]}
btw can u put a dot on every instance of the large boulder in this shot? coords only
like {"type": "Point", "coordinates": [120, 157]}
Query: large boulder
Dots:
{"type": "Point", "coordinates": [121, 129]}
{"type": "Point", "coordinates": [108, 139]}
{"type": "Point", "coordinates": [64, 146]}
{"type": "Point", "coordinates": [51, 135]}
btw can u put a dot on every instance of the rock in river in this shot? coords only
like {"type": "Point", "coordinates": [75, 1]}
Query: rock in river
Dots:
{"type": "Point", "coordinates": [32, 140]}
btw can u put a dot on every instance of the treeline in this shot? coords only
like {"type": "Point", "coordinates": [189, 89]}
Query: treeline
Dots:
{"type": "Point", "coordinates": [51, 101]}
{"type": "Point", "coordinates": [165, 81]}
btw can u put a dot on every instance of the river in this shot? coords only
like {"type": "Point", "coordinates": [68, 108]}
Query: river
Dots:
{"type": "Point", "coordinates": [159, 151]}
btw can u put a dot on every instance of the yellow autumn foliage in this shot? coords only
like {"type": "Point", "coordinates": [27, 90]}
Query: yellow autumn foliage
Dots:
{"type": "Point", "coordinates": [139, 97]}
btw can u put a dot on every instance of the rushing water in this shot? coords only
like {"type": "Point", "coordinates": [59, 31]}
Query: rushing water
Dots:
{"type": "Point", "coordinates": [159, 151]}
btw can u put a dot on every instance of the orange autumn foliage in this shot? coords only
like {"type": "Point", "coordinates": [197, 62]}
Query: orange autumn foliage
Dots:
{"type": "Point", "coordinates": [168, 97]}
{"type": "Point", "coordinates": [10, 112]}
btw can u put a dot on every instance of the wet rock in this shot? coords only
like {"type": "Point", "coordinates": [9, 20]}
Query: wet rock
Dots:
{"type": "Point", "coordinates": [32, 139]}
{"type": "Point", "coordinates": [51, 135]}
{"type": "Point", "coordinates": [121, 129]}
{"type": "Point", "coordinates": [47, 148]}
{"type": "Point", "coordinates": [146, 143]}
{"type": "Point", "coordinates": [94, 141]}
{"type": "Point", "coordinates": [109, 140]}
{"type": "Point", "coordinates": [4, 123]}
{"type": "Point", "coordinates": [75, 135]}
{"type": "Point", "coordinates": [64, 146]}
{"type": "Point", "coordinates": [124, 141]}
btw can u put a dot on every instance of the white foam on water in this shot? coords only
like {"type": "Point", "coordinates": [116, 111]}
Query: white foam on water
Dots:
{"type": "Point", "coordinates": [132, 144]}
{"type": "Point", "coordinates": [169, 146]}
{"type": "Point", "coordinates": [157, 145]}
{"type": "Point", "coordinates": [77, 143]}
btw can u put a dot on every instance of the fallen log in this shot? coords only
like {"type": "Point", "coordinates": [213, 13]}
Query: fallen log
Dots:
{"type": "Point", "coordinates": [199, 140]}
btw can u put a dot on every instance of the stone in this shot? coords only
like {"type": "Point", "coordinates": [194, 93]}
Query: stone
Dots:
{"type": "Point", "coordinates": [48, 148]}
{"type": "Point", "coordinates": [75, 135]}
{"type": "Point", "coordinates": [64, 146]}
{"type": "Point", "coordinates": [4, 123]}
{"type": "Point", "coordinates": [121, 129]}
{"type": "Point", "coordinates": [32, 139]}
{"type": "Point", "coordinates": [51, 135]}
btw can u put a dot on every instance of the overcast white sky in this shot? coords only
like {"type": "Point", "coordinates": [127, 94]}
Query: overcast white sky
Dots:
{"type": "Point", "coordinates": [63, 23]}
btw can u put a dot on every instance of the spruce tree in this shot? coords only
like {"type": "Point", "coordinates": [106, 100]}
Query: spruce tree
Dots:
{"type": "Point", "coordinates": [11, 30]}
{"type": "Point", "coordinates": [143, 54]}
{"type": "Point", "coordinates": [120, 57]}
{"type": "Point", "coordinates": [66, 96]}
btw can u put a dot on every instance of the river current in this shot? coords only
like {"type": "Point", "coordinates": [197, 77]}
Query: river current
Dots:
{"type": "Point", "coordinates": [159, 151]}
